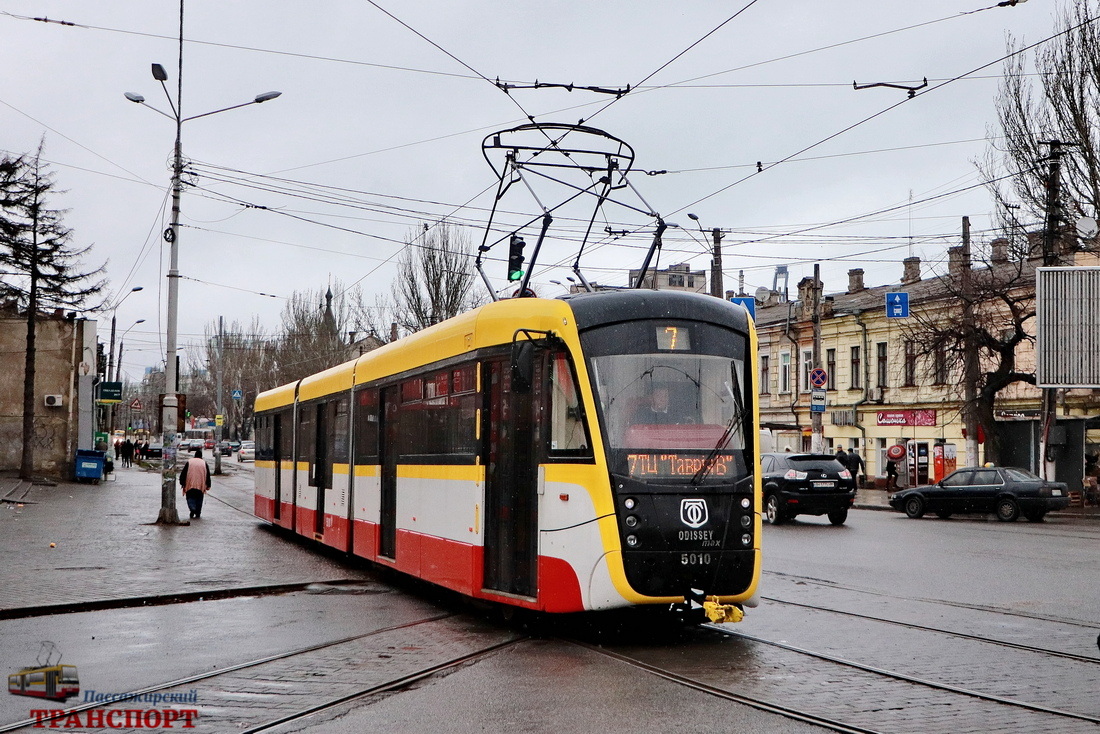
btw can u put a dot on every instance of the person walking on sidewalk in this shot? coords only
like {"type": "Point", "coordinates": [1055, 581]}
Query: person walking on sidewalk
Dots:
{"type": "Point", "coordinates": [857, 466]}
{"type": "Point", "coordinates": [891, 474]}
{"type": "Point", "coordinates": [195, 480]}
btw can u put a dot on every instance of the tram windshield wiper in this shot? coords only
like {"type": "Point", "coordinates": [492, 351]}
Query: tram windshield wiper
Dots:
{"type": "Point", "coordinates": [734, 426]}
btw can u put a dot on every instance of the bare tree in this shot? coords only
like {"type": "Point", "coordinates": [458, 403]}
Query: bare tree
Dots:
{"type": "Point", "coordinates": [246, 359]}
{"type": "Point", "coordinates": [435, 277]}
{"type": "Point", "coordinates": [1063, 105]}
{"type": "Point", "coordinates": [986, 310]}
{"type": "Point", "coordinates": [314, 327]}
{"type": "Point", "coordinates": [35, 245]}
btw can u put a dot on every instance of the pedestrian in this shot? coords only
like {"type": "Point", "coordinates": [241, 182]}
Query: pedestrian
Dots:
{"type": "Point", "coordinates": [127, 453]}
{"type": "Point", "coordinates": [195, 481]}
{"type": "Point", "coordinates": [891, 474]}
{"type": "Point", "coordinates": [857, 466]}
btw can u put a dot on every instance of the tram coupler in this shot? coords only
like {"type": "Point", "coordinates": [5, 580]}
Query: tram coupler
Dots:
{"type": "Point", "coordinates": [699, 607]}
{"type": "Point", "coordinates": [719, 613]}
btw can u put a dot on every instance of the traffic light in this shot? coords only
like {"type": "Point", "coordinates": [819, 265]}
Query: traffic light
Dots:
{"type": "Point", "coordinates": [515, 258]}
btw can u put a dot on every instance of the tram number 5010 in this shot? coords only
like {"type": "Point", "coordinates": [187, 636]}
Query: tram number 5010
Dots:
{"type": "Point", "coordinates": [695, 559]}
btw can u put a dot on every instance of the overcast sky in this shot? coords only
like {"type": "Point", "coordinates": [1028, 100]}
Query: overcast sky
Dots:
{"type": "Point", "coordinates": [381, 121]}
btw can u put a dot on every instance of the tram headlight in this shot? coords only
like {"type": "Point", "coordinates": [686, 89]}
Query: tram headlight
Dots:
{"type": "Point", "coordinates": [746, 539]}
{"type": "Point", "coordinates": [746, 503]}
{"type": "Point", "coordinates": [746, 521]}
{"type": "Point", "coordinates": [632, 541]}
{"type": "Point", "coordinates": [630, 503]}
{"type": "Point", "coordinates": [631, 521]}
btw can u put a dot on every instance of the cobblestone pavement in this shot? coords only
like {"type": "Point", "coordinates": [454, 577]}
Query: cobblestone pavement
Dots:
{"type": "Point", "coordinates": [78, 543]}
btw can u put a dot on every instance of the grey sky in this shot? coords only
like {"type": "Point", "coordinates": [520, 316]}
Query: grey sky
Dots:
{"type": "Point", "coordinates": [373, 113]}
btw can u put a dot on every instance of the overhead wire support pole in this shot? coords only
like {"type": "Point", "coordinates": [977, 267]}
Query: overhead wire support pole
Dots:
{"type": "Point", "coordinates": [1051, 257]}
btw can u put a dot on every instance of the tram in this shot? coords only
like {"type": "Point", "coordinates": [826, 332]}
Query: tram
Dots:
{"type": "Point", "coordinates": [590, 452]}
{"type": "Point", "coordinates": [56, 682]}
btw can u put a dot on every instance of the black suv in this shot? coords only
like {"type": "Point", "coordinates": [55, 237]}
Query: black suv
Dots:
{"type": "Point", "coordinates": [806, 484]}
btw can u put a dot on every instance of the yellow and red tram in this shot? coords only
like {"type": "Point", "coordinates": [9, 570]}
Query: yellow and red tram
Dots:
{"type": "Point", "coordinates": [584, 453]}
{"type": "Point", "coordinates": [56, 682]}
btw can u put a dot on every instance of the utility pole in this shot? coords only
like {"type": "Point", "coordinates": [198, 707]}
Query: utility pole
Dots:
{"type": "Point", "coordinates": [717, 287]}
{"type": "Point", "coordinates": [817, 440]}
{"type": "Point", "coordinates": [1051, 257]}
{"type": "Point", "coordinates": [970, 349]}
{"type": "Point", "coordinates": [219, 401]}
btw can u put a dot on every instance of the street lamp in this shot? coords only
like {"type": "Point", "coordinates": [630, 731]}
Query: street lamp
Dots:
{"type": "Point", "coordinates": [717, 286]}
{"type": "Point", "coordinates": [110, 412]}
{"type": "Point", "coordinates": [169, 412]}
{"type": "Point", "coordinates": [121, 341]}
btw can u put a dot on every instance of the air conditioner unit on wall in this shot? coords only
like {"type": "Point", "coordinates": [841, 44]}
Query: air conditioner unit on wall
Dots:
{"type": "Point", "coordinates": [55, 401]}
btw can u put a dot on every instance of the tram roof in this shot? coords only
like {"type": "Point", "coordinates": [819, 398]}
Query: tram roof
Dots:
{"type": "Point", "coordinates": [276, 397]}
{"type": "Point", "coordinates": [490, 325]}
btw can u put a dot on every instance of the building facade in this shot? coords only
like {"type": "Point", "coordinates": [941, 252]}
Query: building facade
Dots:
{"type": "Point", "coordinates": [886, 386]}
{"type": "Point", "coordinates": [64, 385]}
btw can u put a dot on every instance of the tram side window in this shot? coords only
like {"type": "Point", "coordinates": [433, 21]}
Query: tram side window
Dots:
{"type": "Point", "coordinates": [306, 437]}
{"type": "Point", "coordinates": [265, 438]}
{"type": "Point", "coordinates": [286, 435]}
{"type": "Point", "coordinates": [366, 427]}
{"type": "Point", "coordinates": [438, 417]}
{"type": "Point", "coordinates": [568, 430]}
{"type": "Point", "coordinates": [339, 418]}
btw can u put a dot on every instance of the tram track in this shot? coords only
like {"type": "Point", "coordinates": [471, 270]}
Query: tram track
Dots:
{"type": "Point", "coordinates": [952, 633]}
{"type": "Point", "coordinates": [941, 602]}
{"type": "Point", "coordinates": [757, 703]}
{"type": "Point", "coordinates": [214, 674]}
{"type": "Point", "coordinates": [389, 686]}
{"type": "Point", "coordinates": [884, 673]}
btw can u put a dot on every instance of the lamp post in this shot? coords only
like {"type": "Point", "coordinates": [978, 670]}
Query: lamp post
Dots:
{"type": "Point", "coordinates": [118, 366]}
{"type": "Point", "coordinates": [121, 341]}
{"type": "Point", "coordinates": [717, 286]}
{"type": "Point", "coordinates": [111, 354]}
{"type": "Point", "coordinates": [169, 411]}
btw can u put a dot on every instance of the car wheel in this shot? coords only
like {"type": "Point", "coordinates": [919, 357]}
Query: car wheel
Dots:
{"type": "Point", "coordinates": [943, 514]}
{"type": "Point", "coordinates": [914, 507]}
{"type": "Point", "coordinates": [1007, 509]}
{"type": "Point", "coordinates": [1035, 516]}
{"type": "Point", "coordinates": [837, 517]}
{"type": "Point", "coordinates": [773, 511]}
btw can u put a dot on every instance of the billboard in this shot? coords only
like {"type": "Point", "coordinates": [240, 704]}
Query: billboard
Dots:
{"type": "Point", "coordinates": [1067, 332]}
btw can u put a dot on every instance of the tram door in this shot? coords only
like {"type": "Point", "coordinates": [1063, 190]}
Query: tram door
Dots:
{"type": "Point", "coordinates": [387, 436]}
{"type": "Point", "coordinates": [276, 439]}
{"type": "Point", "coordinates": [322, 464]}
{"type": "Point", "coordinates": [511, 502]}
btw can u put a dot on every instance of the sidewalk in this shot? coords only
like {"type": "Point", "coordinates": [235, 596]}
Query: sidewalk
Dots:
{"type": "Point", "coordinates": [877, 499]}
{"type": "Point", "coordinates": [105, 546]}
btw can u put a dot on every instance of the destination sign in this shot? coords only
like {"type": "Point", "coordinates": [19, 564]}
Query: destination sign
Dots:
{"type": "Point", "coordinates": [645, 466]}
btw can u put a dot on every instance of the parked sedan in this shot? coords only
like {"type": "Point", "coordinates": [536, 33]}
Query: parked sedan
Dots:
{"type": "Point", "coordinates": [247, 451]}
{"type": "Point", "coordinates": [1008, 492]}
{"type": "Point", "coordinates": [806, 484]}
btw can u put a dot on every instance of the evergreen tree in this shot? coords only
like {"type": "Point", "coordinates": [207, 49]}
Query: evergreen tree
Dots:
{"type": "Point", "coordinates": [36, 251]}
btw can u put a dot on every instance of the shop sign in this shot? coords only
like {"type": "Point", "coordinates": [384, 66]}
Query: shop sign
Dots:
{"type": "Point", "coordinates": [906, 417]}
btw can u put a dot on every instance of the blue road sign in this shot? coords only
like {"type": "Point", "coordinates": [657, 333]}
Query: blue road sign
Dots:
{"type": "Point", "coordinates": [238, 394]}
{"type": "Point", "coordinates": [897, 305]}
{"type": "Point", "coordinates": [748, 302]}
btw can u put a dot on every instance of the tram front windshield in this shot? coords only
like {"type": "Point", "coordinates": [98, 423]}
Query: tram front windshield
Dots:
{"type": "Point", "coordinates": [665, 411]}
